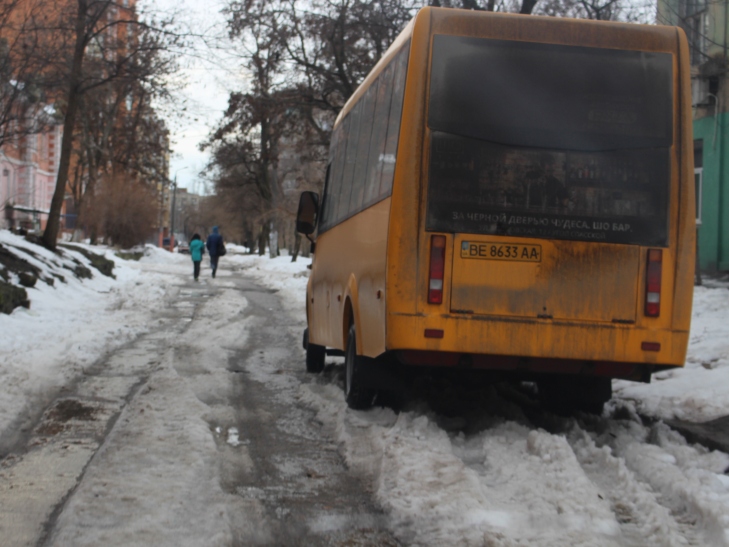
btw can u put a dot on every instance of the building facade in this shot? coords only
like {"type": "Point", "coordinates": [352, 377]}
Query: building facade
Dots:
{"type": "Point", "coordinates": [28, 169]}
{"type": "Point", "coordinates": [707, 27]}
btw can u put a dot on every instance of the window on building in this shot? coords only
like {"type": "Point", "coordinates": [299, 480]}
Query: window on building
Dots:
{"type": "Point", "coordinates": [698, 176]}
{"type": "Point", "coordinates": [695, 21]}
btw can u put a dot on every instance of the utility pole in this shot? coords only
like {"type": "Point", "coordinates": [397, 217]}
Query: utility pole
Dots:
{"type": "Point", "coordinates": [172, 212]}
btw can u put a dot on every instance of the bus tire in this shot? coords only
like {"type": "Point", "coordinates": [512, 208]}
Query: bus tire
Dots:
{"type": "Point", "coordinates": [357, 396]}
{"type": "Point", "coordinates": [315, 355]}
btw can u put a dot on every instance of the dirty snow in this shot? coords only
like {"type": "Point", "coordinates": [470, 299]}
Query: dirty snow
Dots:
{"type": "Point", "coordinates": [698, 392]}
{"type": "Point", "coordinates": [69, 325]}
{"type": "Point", "coordinates": [493, 480]}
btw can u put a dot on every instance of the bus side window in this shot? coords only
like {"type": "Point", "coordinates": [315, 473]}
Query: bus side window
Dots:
{"type": "Point", "coordinates": [363, 148]}
{"type": "Point", "coordinates": [333, 187]}
{"type": "Point", "coordinates": [379, 136]}
{"type": "Point", "coordinates": [393, 130]}
{"type": "Point", "coordinates": [350, 137]}
{"type": "Point", "coordinates": [327, 184]}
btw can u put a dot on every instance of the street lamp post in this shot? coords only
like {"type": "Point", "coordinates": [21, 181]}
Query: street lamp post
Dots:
{"type": "Point", "coordinates": [172, 212]}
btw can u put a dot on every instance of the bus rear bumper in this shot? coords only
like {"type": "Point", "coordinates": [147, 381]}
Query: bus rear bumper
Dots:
{"type": "Point", "coordinates": [639, 372]}
{"type": "Point", "coordinates": [535, 346]}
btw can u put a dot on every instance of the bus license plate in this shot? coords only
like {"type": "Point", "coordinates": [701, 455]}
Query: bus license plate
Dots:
{"type": "Point", "coordinates": [487, 250]}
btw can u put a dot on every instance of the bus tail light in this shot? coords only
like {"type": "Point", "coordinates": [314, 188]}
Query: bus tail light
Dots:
{"type": "Point", "coordinates": [437, 267]}
{"type": "Point", "coordinates": [650, 346]}
{"type": "Point", "coordinates": [653, 283]}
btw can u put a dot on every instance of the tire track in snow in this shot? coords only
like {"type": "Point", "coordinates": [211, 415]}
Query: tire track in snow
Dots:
{"type": "Point", "coordinates": [643, 520]}
{"type": "Point", "coordinates": [687, 481]}
{"type": "Point", "coordinates": [654, 479]}
{"type": "Point", "coordinates": [493, 477]}
{"type": "Point", "coordinates": [505, 485]}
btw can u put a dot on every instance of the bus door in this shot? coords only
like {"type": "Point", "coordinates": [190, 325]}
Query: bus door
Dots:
{"type": "Point", "coordinates": [550, 164]}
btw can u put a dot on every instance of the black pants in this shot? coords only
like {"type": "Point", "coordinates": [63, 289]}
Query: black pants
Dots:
{"type": "Point", "coordinates": [214, 263]}
{"type": "Point", "coordinates": [196, 268]}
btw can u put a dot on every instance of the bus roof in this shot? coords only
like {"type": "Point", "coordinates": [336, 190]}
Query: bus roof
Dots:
{"type": "Point", "coordinates": [511, 26]}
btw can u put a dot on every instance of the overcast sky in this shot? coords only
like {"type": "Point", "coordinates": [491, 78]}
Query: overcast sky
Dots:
{"type": "Point", "coordinates": [208, 78]}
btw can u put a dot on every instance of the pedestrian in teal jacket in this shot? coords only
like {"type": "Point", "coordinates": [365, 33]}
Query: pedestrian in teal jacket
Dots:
{"type": "Point", "coordinates": [197, 250]}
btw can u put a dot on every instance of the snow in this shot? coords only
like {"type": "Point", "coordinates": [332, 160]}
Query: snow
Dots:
{"type": "Point", "coordinates": [463, 480]}
{"type": "Point", "coordinates": [69, 325]}
{"type": "Point", "coordinates": [698, 392]}
{"type": "Point", "coordinates": [161, 439]}
{"type": "Point", "coordinates": [514, 485]}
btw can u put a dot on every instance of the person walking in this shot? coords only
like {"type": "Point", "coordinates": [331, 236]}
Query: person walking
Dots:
{"type": "Point", "coordinates": [216, 248]}
{"type": "Point", "coordinates": [197, 250]}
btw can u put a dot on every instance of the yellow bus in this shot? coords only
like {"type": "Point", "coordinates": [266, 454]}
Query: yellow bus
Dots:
{"type": "Point", "coordinates": [509, 193]}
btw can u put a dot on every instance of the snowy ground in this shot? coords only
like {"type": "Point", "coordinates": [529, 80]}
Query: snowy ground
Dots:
{"type": "Point", "coordinates": [69, 325]}
{"type": "Point", "coordinates": [599, 481]}
{"type": "Point", "coordinates": [490, 477]}
{"type": "Point", "coordinates": [700, 391]}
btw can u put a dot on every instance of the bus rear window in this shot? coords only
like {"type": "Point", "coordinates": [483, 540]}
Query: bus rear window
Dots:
{"type": "Point", "coordinates": [618, 196]}
{"type": "Point", "coordinates": [557, 142]}
{"type": "Point", "coordinates": [550, 96]}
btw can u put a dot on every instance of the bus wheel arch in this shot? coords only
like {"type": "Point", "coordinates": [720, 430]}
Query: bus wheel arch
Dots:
{"type": "Point", "coordinates": [350, 313]}
{"type": "Point", "coordinates": [357, 395]}
{"type": "Point", "coordinates": [315, 354]}
{"type": "Point", "coordinates": [347, 321]}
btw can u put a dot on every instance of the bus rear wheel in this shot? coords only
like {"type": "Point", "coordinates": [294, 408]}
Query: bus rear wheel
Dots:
{"type": "Point", "coordinates": [315, 355]}
{"type": "Point", "coordinates": [357, 396]}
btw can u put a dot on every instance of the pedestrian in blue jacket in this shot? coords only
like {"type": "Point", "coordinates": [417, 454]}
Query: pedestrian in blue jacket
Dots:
{"type": "Point", "coordinates": [216, 248]}
{"type": "Point", "coordinates": [197, 250]}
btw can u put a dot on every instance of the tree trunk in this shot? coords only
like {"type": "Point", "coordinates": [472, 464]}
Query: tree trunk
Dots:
{"type": "Point", "coordinates": [272, 242]}
{"type": "Point", "coordinates": [297, 245]}
{"type": "Point", "coordinates": [50, 235]}
{"type": "Point", "coordinates": [263, 239]}
{"type": "Point", "coordinates": [527, 6]}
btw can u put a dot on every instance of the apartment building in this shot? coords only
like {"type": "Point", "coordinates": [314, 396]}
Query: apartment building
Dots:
{"type": "Point", "coordinates": [706, 24]}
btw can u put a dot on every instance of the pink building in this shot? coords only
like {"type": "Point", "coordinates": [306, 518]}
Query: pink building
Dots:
{"type": "Point", "coordinates": [28, 168]}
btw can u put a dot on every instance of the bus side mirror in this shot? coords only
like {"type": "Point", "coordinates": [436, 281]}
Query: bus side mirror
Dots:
{"type": "Point", "coordinates": [306, 217]}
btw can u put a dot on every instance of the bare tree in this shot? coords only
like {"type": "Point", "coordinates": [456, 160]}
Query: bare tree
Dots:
{"type": "Point", "coordinates": [119, 133]}
{"type": "Point", "coordinates": [124, 212]}
{"type": "Point", "coordinates": [598, 10]}
{"type": "Point", "coordinates": [23, 101]}
{"type": "Point", "coordinates": [304, 65]}
{"type": "Point", "coordinates": [105, 48]}
{"type": "Point", "coordinates": [305, 61]}
{"type": "Point", "coordinates": [246, 143]}
{"type": "Point", "coordinates": [334, 45]}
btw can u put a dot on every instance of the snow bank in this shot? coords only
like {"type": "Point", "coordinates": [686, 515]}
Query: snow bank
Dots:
{"type": "Point", "coordinates": [601, 483]}
{"type": "Point", "coordinates": [698, 392]}
{"type": "Point", "coordinates": [71, 324]}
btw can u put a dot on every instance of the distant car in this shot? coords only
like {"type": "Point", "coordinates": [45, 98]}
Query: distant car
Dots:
{"type": "Point", "coordinates": [183, 248]}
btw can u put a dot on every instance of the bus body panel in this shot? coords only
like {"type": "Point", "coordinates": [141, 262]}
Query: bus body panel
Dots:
{"type": "Point", "coordinates": [553, 30]}
{"type": "Point", "coordinates": [403, 251]}
{"type": "Point", "coordinates": [570, 280]}
{"type": "Point", "coordinates": [350, 270]}
{"type": "Point", "coordinates": [584, 302]}
{"type": "Point", "coordinates": [576, 299]}
{"type": "Point", "coordinates": [682, 296]}
{"type": "Point", "coordinates": [504, 336]}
